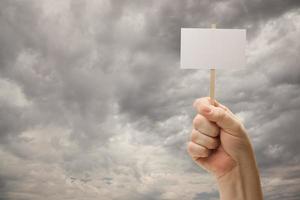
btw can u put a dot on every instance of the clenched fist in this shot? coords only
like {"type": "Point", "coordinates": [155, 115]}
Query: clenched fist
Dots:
{"type": "Point", "coordinates": [220, 145]}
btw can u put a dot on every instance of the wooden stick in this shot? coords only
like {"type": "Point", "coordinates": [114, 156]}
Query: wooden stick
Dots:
{"type": "Point", "coordinates": [212, 80]}
{"type": "Point", "coordinates": [212, 85]}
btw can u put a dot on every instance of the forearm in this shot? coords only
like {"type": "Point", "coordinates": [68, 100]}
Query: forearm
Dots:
{"type": "Point", "coordinates": [241, 183]}
{"type": "Point", "coordinates": [233, 161]}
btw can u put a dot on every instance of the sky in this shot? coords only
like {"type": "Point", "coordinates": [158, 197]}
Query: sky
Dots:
{"type": "Point", "coordinates": [94, 105]}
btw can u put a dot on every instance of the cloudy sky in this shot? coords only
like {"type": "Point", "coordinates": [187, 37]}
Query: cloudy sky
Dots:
{"type": "Point", "coordinates": [93, 104]}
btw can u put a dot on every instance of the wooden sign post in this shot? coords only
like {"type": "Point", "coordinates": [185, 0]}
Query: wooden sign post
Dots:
{"type": "Point", "coordinates": [212, 80]}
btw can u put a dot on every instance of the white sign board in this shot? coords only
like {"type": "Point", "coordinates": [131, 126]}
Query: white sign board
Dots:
{"type": "Point", "coordinates": [212, 48]}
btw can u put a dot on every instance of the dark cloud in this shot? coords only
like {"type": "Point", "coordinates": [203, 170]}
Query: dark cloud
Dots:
{"type": "Point", "coordinates": [93, 103]}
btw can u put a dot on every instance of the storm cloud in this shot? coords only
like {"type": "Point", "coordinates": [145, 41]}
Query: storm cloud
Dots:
{"type": "Point", "coordinates": [93, 104]}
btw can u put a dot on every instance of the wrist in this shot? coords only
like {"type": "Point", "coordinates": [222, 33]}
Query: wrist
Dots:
{"type": "Point", "coordinates": [243, 152]}
{"type": "Point", "coordinates": [242, 183]}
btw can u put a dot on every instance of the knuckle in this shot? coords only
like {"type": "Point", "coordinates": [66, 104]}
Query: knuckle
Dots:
{"type": "Point", "coordinates": [239, 127]}
{"type": "Point", "coordinates": [189, 147]}
{"type": "Point", "coordinates": [194, 135]}
{"type": "Point", "coordinates": [199, 102]}
{"type": "Point", "coordinates": [237, 124]}
{"type": "Point", "coordinates": [197, 150]}
{"type": "Point", "coordinates": [198, 120]}
{"type": "Point", "coordinates": [226, 108]}
{"type": "Point", "coordinates": [221, 115]}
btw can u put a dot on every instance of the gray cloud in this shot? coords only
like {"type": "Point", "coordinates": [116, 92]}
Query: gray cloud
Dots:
{"type": "Point", "coordinates": [93, 103]}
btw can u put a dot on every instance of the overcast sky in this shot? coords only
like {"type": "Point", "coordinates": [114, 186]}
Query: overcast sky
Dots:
{"type": "Point", "coordinates": [93, 104]}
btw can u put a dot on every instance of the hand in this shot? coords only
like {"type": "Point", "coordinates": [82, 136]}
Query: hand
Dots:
{"type": "Point", "coordinates": [218, 140]}
{"type": "Point", "coordinates": [220, 145]}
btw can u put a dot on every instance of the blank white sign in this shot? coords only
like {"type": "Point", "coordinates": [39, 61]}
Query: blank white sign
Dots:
{"type": "Point", "coordinates": [212, 48]}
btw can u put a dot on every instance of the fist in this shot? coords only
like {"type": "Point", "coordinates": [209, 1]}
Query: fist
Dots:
{"type": "Point", "coordinates": [218, 138]}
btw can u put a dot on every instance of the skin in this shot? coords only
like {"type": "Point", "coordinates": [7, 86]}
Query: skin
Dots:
{"type": "Point", "coordinates": [220, 145]}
